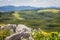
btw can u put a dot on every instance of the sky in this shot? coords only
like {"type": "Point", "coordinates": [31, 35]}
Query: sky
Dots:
{"type": "Point", "coordinates": [34, 3]}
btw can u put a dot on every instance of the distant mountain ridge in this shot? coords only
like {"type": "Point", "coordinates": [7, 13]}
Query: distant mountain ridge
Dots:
{"type": "Point", "coordinates": [14, 8]}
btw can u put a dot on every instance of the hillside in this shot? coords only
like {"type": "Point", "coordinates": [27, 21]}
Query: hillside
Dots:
{"type": "Point", "coordinates": [47, 19]}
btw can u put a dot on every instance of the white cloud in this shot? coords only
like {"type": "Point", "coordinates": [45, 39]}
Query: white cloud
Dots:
{"type": "Point", "coordinates": [36, 3]}
{"type": "Point", "coordinates": [34, 0]}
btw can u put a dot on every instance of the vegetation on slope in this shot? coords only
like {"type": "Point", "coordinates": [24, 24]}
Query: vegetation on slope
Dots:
{"type": "Point", "coordinates": [46, 20]}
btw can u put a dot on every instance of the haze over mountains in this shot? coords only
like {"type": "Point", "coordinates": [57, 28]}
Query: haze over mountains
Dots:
{"type": "Point", "coordinates": [15, 8]}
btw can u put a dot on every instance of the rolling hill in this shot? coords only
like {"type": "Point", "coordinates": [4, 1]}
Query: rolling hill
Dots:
{"type": "Point", "coordinates": [46, 14]}
{"type": "Point", "coordinates": [47, 19]}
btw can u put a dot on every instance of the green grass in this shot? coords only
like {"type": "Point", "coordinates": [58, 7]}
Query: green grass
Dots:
{"type": "Point", "coordinates": [47, 19]}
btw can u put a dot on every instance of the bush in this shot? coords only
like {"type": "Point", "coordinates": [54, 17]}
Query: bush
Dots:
{"type": "Point", "coordinates": [4, 34]}
{"type": "Point", "coordinates": [40, 36]}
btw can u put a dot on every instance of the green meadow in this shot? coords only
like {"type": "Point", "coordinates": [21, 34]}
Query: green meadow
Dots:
{"type": "Point", "coordinates": [48, 20]}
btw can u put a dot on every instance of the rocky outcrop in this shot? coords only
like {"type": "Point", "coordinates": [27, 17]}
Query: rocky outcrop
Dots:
{"type": "Point", "coordinates": [21, 27]}
{"type": "Point", "coordinates": [19, 36]}
{"type": "Point", "coordinates": [12, 27]}
{"type": "Point", "coordinates": [1, 27]}
{"type": "Point", "coordinates": [22, 32]}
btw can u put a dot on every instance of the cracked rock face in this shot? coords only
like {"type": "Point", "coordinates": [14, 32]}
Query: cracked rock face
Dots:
{"type": "Point", "coordinates": [21, 27]}
{"type": "Point", "coordinates": [22, 32]}
{"type": "Point", "coordinates": [11, 27]}
{"type": "Point", "coordinates": [19, 36]}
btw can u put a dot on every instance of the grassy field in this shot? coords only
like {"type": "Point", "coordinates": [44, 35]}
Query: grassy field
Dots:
{"type": "Point", "coordinates": [48, 20]}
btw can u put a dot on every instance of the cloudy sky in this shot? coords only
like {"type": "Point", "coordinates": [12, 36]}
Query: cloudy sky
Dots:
{"type": "Point", "coordinates": [34, 3]}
